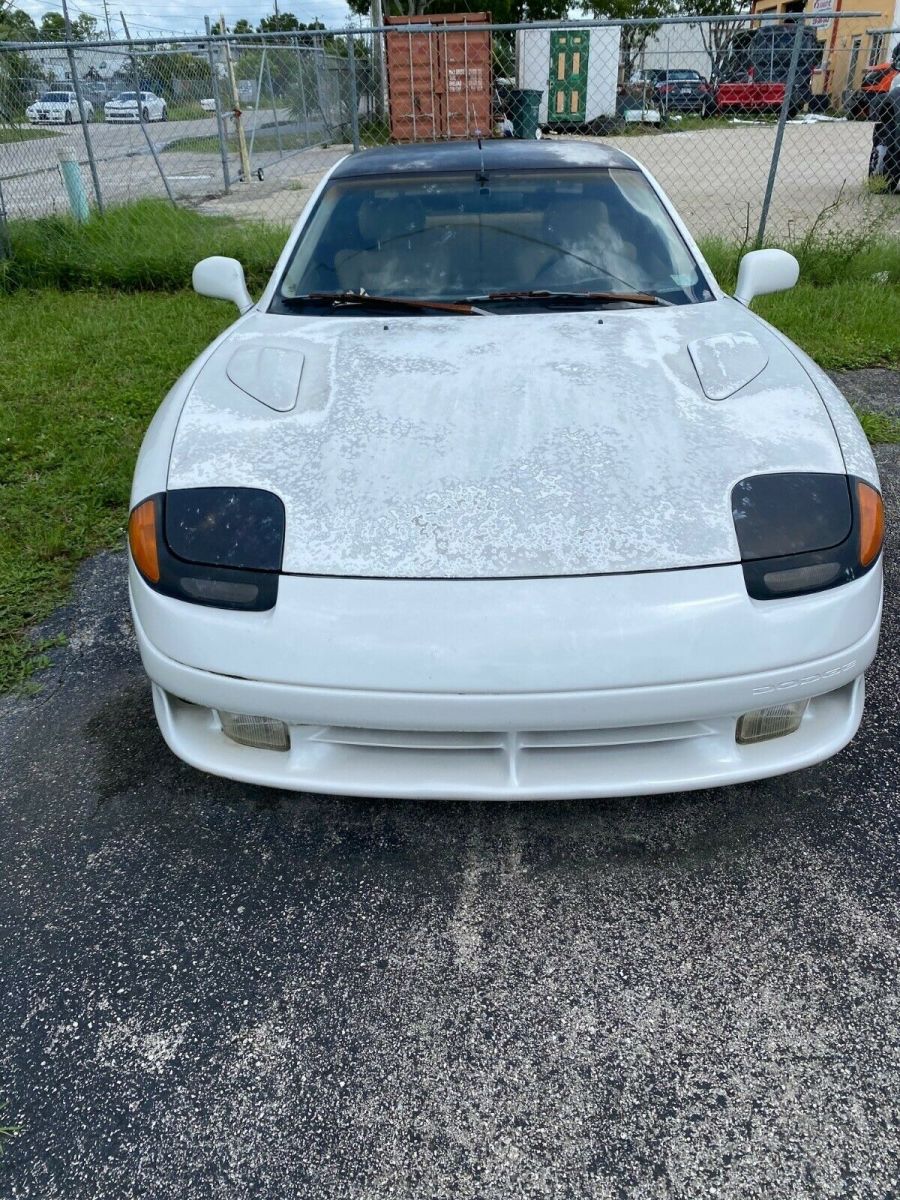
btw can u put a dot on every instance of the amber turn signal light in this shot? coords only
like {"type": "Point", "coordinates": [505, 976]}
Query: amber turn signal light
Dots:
{"type": "Point", "coordinates": [871, 522]}
{"type": "Point", "coordinates": [142, 539]}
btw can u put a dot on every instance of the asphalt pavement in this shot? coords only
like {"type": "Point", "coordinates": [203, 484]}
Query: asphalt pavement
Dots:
{"type": "Point", "coordinates": [33, 186]}
{"type": "Point", "coordinates": [214, 990]}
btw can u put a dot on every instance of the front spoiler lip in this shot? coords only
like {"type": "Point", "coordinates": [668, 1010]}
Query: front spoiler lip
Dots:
{"type": "Point", "coordinates": [712, 759]}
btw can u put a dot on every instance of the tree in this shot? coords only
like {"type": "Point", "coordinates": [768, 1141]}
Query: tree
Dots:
{"type": "Point", "coordinates": [283, 23]}
{"type": "Point", "coordinates": [16, 25]}
{"type": "Point", "coordinates": [53, 27]}
{"type": "Point", "coordinates": [718, 36]}
{"type": "Point", "coordinates": [243, 26]}
{"type": "Point", "coordinates": [502, 11]}
{"type": "Point", "coordinates": [16, 73]}
{"type": "Point", "coordinates": [634, 37]}
{"type": "Point", "coordinates": [84, 28]}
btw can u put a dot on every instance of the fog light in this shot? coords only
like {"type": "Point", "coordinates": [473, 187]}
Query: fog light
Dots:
{"type": "Point", "coordinates": [766, 723]}
{"type": "Point", "coordinates": [263, 733]}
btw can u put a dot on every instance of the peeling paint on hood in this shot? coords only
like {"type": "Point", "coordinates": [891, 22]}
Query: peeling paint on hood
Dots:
{"type": "Point", "coordinates": [479, 447]}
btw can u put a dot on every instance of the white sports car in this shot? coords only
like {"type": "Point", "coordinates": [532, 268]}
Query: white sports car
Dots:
{"type": "Point", "coordinates": [58, 108]}
{"type": "Point", "coordinates": [124, 108]}
{"type": "Point", "coordinates": [495, 494]}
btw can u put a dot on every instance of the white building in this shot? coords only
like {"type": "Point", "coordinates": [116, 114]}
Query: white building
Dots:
{"type": "Point", "coordinates": [97, 66]}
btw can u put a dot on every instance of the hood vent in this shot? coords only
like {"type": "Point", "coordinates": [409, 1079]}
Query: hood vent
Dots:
{"type": "Point", "coordinates": [270, 374]}
{"type": "Point", "coordinates": [727, 362]}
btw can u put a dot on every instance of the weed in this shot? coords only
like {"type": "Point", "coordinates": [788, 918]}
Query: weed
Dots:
{"type": "Point", "coordinates": [879, 427]}
{"type": "Point", "coordinates": [134, 247]}
{"type": "Point", "coordinates": [7, 1132]}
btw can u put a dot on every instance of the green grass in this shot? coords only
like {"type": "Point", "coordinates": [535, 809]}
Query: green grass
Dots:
{"type": "Point", "coordinates": [879, 427]}
{"type": "Point", "coordinates": [845, 310]}
{"type": "Point", "coordinates": [135, 247]}
{"type": "Point", "coordinates": [688, 121]}
{"type": "Point", "coordinates": [13, 133]}
{"type": "Point", "coordinates": [83, 374]}
{"type": "Point", "coordinates": [265, 142]}
{"type": "Point", "coordinates": [198, 145]}
{"type": "Point", "coordinates": [187, 110]}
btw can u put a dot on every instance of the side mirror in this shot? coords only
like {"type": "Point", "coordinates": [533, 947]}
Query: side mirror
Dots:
{"type": "Point", "coordinates": [222, 279]}
{"type": "Point", "coordinates": [764, 271]}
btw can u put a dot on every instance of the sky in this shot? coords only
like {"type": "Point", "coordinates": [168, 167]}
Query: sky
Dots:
{"type": "Point", "coordinates": [156, 18]}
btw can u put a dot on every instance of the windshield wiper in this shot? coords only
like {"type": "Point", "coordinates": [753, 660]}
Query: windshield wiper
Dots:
{"type": "Point", "coordinates": [364, 300]}
{"type": "Point", "coordinates": [579, 297]}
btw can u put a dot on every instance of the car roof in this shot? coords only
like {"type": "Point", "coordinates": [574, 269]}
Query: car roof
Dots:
{"type": "Point", "coordinates": [495, 154]}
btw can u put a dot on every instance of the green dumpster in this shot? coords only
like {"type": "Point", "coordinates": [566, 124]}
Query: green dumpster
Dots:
{"type": "Point", "coordinates": [524, 111]}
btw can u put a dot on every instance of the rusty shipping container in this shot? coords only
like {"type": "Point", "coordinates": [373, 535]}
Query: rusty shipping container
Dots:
{"type": "Point", "coordinates": [439, 83]}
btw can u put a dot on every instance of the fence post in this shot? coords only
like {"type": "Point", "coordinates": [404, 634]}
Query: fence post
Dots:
{"type": "Point", "coordinates": [262, 65]}
{"type": "Point", "coordinates": [79, 98]}
{"type": "Point", "coordinates": [71, 176]}
{"type": "Point", "coordinates": [779, 133]}
{"type": "Point", "coordinates": [220, 124]}
{"type": "Point", "coordinates": [140, 112]}
{"type": "Point", "coordinates": [377, 19]}
{"type": "Point", "coordinates": [354, 97]}
{"type": "Point", "coordinates": [274, 106]}
{"type": "Point", "coordinates": [236, 100]}
{"type": "Point", "coordinates": [4, 229]}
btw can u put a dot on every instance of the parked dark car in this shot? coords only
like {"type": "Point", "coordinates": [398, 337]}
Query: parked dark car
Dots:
{"type": "Point", "coordinates": [676, 90]}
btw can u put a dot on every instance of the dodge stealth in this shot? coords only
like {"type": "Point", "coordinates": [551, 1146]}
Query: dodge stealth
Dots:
{"type": "Point", "coordinates": [495, 494]}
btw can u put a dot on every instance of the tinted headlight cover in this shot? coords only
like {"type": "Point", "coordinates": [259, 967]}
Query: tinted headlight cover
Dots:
{"type": "Point", "coordinates": [216, 546]}
{"type": "Point", "coordinates": [802, 532]}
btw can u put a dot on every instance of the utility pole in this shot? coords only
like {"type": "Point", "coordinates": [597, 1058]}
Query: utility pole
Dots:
{"type": "Point", "coordinates": [106, 14]}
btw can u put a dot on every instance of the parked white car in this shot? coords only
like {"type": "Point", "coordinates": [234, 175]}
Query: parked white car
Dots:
{"type": "Point", "coordinates": [124, 107]}
{"type": "Point", "coordinates": [58, 108]}
{"type": "Point", "coordinates": [495, 494]}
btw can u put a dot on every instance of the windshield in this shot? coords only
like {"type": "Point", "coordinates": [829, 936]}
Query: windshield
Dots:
{"type": "Point", "coordinates": [448, 237]}
{"type": "Point", "coordinates": [122, 96]}
{"type": "Point", "coordinates": [55, 97]}
{"type": "Point", "coordinates": [693, 76]}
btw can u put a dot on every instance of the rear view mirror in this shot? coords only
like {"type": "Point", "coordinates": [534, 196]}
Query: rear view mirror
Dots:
{"type": "Point", "coordinates": [765, 271]}
{"type": "Point", "coordinates": [222, 279]}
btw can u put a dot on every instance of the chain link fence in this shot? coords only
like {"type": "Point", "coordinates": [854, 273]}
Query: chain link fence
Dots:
{"type": "Point", "coordinates": [756, 128]}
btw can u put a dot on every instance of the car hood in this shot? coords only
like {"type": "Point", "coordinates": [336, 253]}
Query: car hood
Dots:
{"type": "Point", "coordinates": [502, 446]}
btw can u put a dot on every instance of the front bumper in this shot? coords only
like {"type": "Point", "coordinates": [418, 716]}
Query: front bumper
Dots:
{"type": "Point", "coordinates": [562, 689]}
{"type": "Point", "coordinates": [692, 102]}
